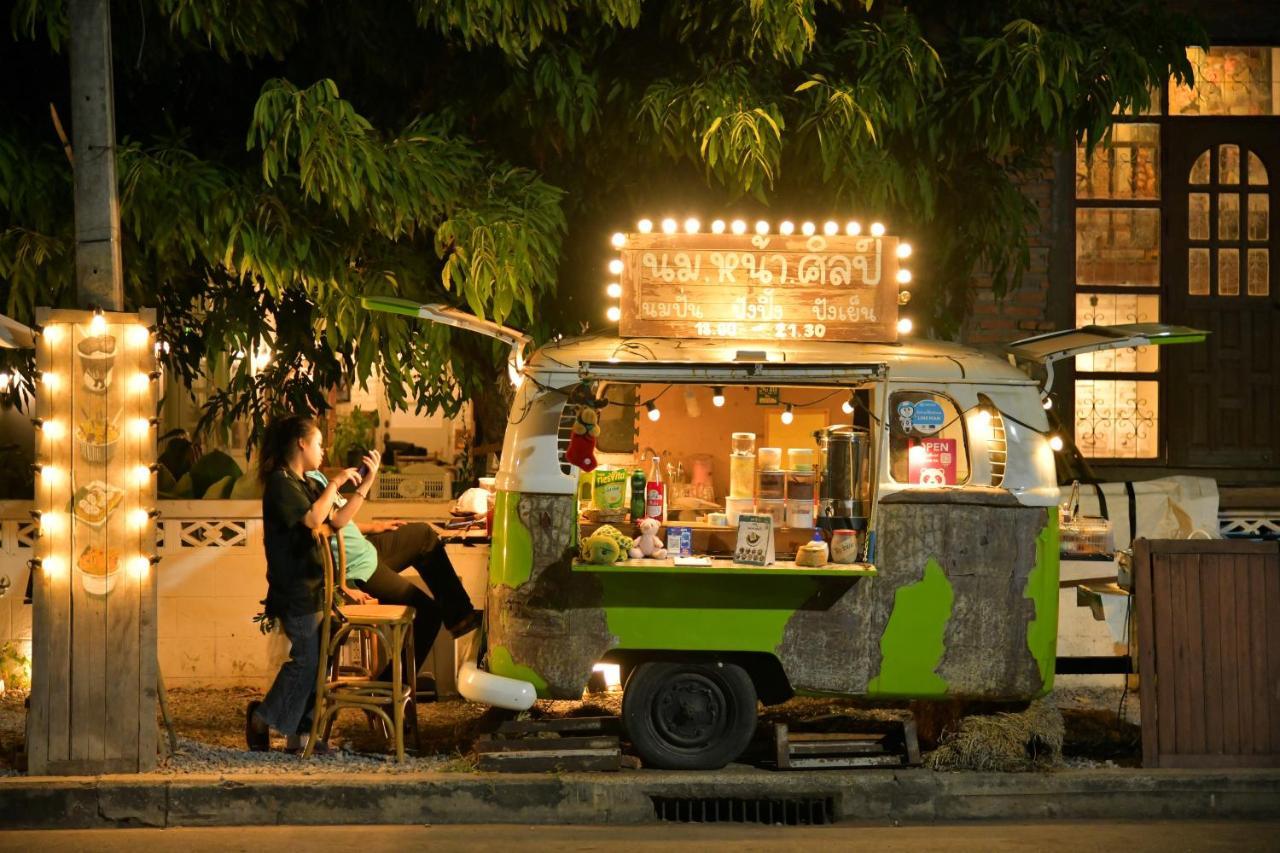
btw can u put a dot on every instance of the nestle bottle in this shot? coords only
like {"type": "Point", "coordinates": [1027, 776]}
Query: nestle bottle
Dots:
{"type": "Point", "coordinates": [637, 495]}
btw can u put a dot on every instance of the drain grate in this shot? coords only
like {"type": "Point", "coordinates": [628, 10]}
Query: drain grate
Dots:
{"type": "Point", "coordinates": [790, 811]}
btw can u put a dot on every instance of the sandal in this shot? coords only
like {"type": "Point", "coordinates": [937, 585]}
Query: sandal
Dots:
{"type": "Point", "coordinates": [466, 624]}
{"type": "Point", "coordinates": [322, 748]}
{"type": "Point", "coordinates": [255, 740]}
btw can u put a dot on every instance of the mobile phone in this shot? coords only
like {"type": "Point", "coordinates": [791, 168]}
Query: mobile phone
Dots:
{"type": "Point", "coordinates": [363, 470]}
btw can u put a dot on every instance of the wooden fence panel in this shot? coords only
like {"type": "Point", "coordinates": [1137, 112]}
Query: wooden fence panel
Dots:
{"type": "Point", "coordinates": [1209, 634]}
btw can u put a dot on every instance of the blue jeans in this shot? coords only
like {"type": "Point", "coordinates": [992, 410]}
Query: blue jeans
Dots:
{"type": "Point", "coordinates": [288, 705]}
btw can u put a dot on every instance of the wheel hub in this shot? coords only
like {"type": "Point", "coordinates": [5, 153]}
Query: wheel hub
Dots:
{"type": "Point", "coordinates": [690, 711]}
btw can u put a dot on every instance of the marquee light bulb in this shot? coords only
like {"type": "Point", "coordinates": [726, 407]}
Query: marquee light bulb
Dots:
{"type": "Point", "coordinates": [614, 313]}
{"type": "Point", "coordinates": [139, 383]}
{"type": "Point", "coordinates": [717, 226]}
{"type": "Point", "coordinates": [618, 240]}
{"type": "Point", "coordinates": [904, 250]}
{"type": "Point", "coordinates": [54, 566]}
{"type": "Point", "coordinates": [905, 326]}
{"type": "Point", "coordinates": [762, 227]}
{"type": "Point", "coordinates": [1055, 442]}
{"type": "Point", "coordinates": [5, 380]}
{"type": "Point", "coordinates": [137, 336]}
{"type": "Point", "coordinates": [54, 429]}
{"type": "Point", "coordinates": [904, 276]}
{"type": "Point", "coordinates": [786, 228]}
{"type": "Point", "coordinates": [653, 411]}
{"type": "Point", "coordinates": [51, 475]}
{"type": "Point", "coordinates": [53, 334]}
{"type": "Point", "coordinates": [847, 406]}
{"type": "Point", "coordinates": [615, 266]}
{"type": "Point", "coordinates": [140, 427]}
{"type": "Point", "coordinates": [138, 518]}
{"type": "Point", "coordinates": [614, 290]}
{"type": "Point", "coordinates": [717, 397]}
{"type": "Point", "coordinates": [787, 415]}
{"type": "Point", "coordinates": [644, 226]}
{"type": "Point", "coordinates": [139, 566]}
{"type": "Point", "coordinates": [853, 228]}
{"type": "Point", "coordinates": [52, 381]}
{"type": "Point", "coordinates": [691, 225]}
{"type": "Point", "coordinates": [98, 325]}
{"type": "Point", "coordinates": [739, 227]}
{"type": "Point", "coordinates": [830, 228]}
{"type": "Point", "coordinates": [142, 476]}
{"type": "Point", "coordinates": [52, 522]}
{"type": "Point", "coordinates": [877, 229]}
{"type": "Point", "coordinates": [670, 226]}
{"type": "Point", "coordinates": [808, 228]}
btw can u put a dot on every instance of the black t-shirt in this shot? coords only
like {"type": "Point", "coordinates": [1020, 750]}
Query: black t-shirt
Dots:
{"type": "Point", "coordinates": [295, 567]}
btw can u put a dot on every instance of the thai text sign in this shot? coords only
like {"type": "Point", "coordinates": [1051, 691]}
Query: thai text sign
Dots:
{"type": "Point", "coordinates": [760, 287]}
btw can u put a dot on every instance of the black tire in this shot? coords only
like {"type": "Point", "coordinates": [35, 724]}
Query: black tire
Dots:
{"type": "Point", "coordinates": [689, 716]}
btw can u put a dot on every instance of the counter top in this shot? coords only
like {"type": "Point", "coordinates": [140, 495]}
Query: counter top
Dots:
{"type": "Point", "coordinates": [727, 567]}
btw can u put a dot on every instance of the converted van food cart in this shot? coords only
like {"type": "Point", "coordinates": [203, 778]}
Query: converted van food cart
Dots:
{"type": "Point", "coordinates": [943, 480]}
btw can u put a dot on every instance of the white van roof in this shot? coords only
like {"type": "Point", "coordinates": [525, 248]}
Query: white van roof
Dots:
{"type": "Point", "coordinates": [913, 359]}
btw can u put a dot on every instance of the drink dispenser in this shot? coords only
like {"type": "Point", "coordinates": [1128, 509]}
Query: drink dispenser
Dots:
{"type": "Point", "coordinates": [843, 486]}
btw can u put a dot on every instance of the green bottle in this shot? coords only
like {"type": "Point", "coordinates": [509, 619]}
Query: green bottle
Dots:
{"type": "Point", "coordinates": [637, 495]}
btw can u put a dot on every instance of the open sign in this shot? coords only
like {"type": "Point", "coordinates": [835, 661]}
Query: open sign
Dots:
{"type": "Point", "coordinates": [933, 461]}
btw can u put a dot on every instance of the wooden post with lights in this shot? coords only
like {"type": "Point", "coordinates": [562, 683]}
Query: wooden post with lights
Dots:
{"type": "Point", "coordinates": [94, 670]}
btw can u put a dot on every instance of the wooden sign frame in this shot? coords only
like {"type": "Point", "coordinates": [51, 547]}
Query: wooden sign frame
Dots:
{"type": "Point", "coordinates": [759, 287]}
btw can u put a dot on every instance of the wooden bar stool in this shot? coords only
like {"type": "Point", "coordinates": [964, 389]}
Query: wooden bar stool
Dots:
{"type": "Point", "coordinates": [337, 689]}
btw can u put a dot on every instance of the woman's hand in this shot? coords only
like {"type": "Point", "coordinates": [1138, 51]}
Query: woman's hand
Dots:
{"type": "Point", "coordinates": [359, 596]}
{"type": "Point", "coordinates": [346, 475]}
{"type": "Point", "coordinates": [382, 526]}
{"type": "Point", "coordinates": [372, 460]}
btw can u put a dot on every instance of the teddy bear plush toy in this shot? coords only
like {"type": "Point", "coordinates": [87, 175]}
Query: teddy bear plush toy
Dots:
{"type": "Point", "coordinates": [647, 543]}
{"type": "Point", "coordinates": [582, 442]}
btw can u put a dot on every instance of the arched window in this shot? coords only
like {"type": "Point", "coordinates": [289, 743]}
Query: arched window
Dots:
{"type": "Point", "coordinates": [1228, 223]}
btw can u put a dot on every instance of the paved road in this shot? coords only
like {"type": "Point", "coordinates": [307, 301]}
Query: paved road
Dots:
{"type": "Point", "coordinates": [1163, 836]}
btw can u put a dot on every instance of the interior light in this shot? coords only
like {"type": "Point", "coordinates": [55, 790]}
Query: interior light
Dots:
{"type": "Point", "coordinates": [980, 425]}
{"type": "Point", "coordinates": [669, 226]}
{"type": "Point", "coordinates": [614, 290]}
{"type": "Point", "coordinates": [614, 313]}
{"type": "Point", "coordinates": [691, 225]}
{"type": "Point", "coordinates": [917, 455]}
{"type": "Point", "coordinates": [853, 228]}
{"type": "Point", "coordinates": [847, 406]}
{"type": "Point", "coordinates": [830, 229]}
{"type": "Point", "coordinates": [808, 228]}
{"type": "Point", "coordinates": [644, 226]}
{"type": "Point", "coordinates": [877, 229]}
{"type": "Point", "coordinates": [762, 227]}
{"type": "Point", "coordinates": [786, 228]}
{"type": "Point", "coordinates": [1047, 402]}
{"type": "Point", "coordinates": [904, 276]}
{"type": "Point", "coordinates": [612, 673]}
{"type": "Point", "coordinates": [787, 415]}
{"type": "Point", "coordinates": [1055, 442]}
{"type": "Point", "coordinates": [654, 412]}
{"type": "Point", "coordinates": [739, 227]}
{"type": "Point", "coordinates": [904, 250]}
{"type": "Point", "coordinates": [615, 266]}
{"type": "Point", "coordinates": [905, 326]}
{"type": "Point", "coordinates": [717, 226]}
{"type": "Point", "coordinates": [717, 397]}
{"type": "Point", "coordinates": [618, 240]}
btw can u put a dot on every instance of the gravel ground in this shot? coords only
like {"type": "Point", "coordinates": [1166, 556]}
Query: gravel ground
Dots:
{"type": "Point", "coordinates": [210, 729]}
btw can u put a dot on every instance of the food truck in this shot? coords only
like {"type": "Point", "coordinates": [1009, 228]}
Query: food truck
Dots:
{"type": "Point", "coordinates": [841, 511]}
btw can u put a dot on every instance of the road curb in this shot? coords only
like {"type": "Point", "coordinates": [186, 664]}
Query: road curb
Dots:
{"type": "Point", "coordinates": [626, 797]}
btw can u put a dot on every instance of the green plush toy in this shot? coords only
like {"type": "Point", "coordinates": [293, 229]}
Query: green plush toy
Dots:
{"type": "Point", "coordinates": [606, 546]}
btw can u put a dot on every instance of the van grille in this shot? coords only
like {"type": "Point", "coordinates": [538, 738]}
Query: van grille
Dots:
{"type": "Point", "coordinates": [790, 811]}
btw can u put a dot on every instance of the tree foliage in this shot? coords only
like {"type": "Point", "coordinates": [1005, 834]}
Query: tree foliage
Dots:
{"type": "Point", "coordinates": [278, 159]}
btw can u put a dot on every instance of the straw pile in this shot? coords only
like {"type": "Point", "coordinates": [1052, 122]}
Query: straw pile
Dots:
{"type": "Point", "coordinates": [1027, 740]}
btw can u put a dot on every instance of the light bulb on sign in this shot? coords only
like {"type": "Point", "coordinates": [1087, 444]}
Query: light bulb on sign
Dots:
{"type": "Point", "coordinates": [739, 227]}
{"type": "Point", "coordinates": [139, 383]}
{"type": "Point", "coordinates": [717, 397]}
{"type": "Point", "coordinates": [142, 476]}
{"type": "Point", "coordinates": [847, 406]}
{"type": "Point", "coordinates": [830, 229]}
{"type": "Point", "coordinates": [762, 227]}
{"type": "Point", "coordinates": [615, 266]}
{"type": "Point", "coordinates": [54, 429]}
{"type": "Point", "coordinates": [877, 229]}
{"type": "Point", "coordinates": [808, 228]}
{"type": "Point", "coordinates": [669, 226]}
{"type": "Point", "coordinates": [54, 566]}
{"type": "Point", "coordinates": [614, 313]}
{"type": "Point", "coordinates": [98, 325]}
{"type": "Point", "coordinates": [53, 334]}
{"type": "Point", "coordinates": [691, 225]}
{"type": "Point", "coordinates": [786, 228]}
{"type": "Point", "coordinates": [139, 566]}
{"type": "Point", "coordinates": [52, 522]}
{"type": "Point", "coordinates": [905, 326]}
{"type": "Point", "coordinates": [1055, 443]}
{"type": "Point", "coordinates": [138, 518]}
{"type": "Point", "coordinates": [853, 229]}
{"type": "Point", "coordinates": [717, 226]}
{"type": "Point", "coordinates": [52, 381]}
{"type": "Point", "coordinates": [653, 411]}
{"type": "Point", "coordinates": [644, 226]}
{"type": "Point", "coordinates": [51, 475]}
{"type": "Point", "coordinates": [137, 336]}
{"type": "Point", "coordinates": [904, 250]}
{"type": "Point", "coordinates": [904, 276]}
{"type": "Point", "coordinates": [618, 240]}
{"type": "Point", "coordinates": [787, 415]}
{"type": "Point", "coordinates": [614, 290]}
{"type": "Point", "coordinates": [140, 427]}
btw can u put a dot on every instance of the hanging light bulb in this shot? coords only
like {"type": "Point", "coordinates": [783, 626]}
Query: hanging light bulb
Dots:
{"type": "Point", "coordinates": [739, 227]}
{"type": "Point", "coordinates": [853, 228]}
{"type": "Point", "coordinates": [787, 415]}
{"type": "Point", "coordinates": [830, 229]}
{"type": "Point", "coordinates": [847, 406]}
{"type": "Point", "coordinates": [786, 228]}
{"type": "Point", "coordinates": [644, 226]}
{"type": "Point", "coordinates": [691, 225]}
{"type": "Point", "coordinates": [717, 226]}
{"type": "Point", "coordinates": [614, 290]}
{"type": "Point", "coordinates": [808, 228]}
{"type": "Point", "coordinates": [717, 396]}
{"type": "Point", "coordinates": [653, 411]}
{"type": "Point", "coordinates": [670, 226]}
{"type": "Point", "coordinates": [905, 326]}
{"type": "Point", "coordinates": [904, 276]}
{"type": "Point", "coordinates": [877, 229]}
{"type": "Point", "coordinates": [615, 266]}
{"type": "Point", "coordinates": [762, 227]}
{"type": "Point", "coordinates": [98, 325]}
{"type": "Point", "coordinates": [618, 240]}
{"type": "Point", "coordinates": [614, 313]}
{"type": "Point", "coordinates": [1047, 402]}
{"type": "Point", "coordinates": [1055, 443]}
{"type": "Point", "coordinates": [904, 250]}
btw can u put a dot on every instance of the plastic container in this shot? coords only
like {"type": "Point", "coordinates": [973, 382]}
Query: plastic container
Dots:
{"type": "Point", "coordinates": [777, 509]}
{"type": "Point", "coordinates": [734, 507]}
{"type": "Point", "coordinates": [742, 444]}
{"type": "Point", "coordinates": [800, 458]}
{"type": "Point", "coordinates": [844, 546]}
{"type": "Point", "coordinates": [799, 514]}
{"type": "Point", "coordinates": [771, 485]}
{"type": "Point", "coordinates": [1085, 536]}
{"type": "Point", "coordinates": [770, 458]}
{"type": "Point", "coordinates": [801, 485]}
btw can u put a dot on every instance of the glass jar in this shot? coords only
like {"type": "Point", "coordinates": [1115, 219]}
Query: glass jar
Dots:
{"type": "Point", "coordinates": [742, 465]}
{"type": "Point", "coordinates": [743, 444]}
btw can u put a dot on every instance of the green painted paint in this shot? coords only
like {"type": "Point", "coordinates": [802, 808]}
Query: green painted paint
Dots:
{"type": "Point", "coordinates": [511, 554]}
{"type": "Point", "coordinates": [501, 663]}
{"type": "Point", "coordinates": [912, 644]}
{"type": "Point", "coordinates": [703, 612]}
{"type": "Point", "coordinates": [1042, 589]}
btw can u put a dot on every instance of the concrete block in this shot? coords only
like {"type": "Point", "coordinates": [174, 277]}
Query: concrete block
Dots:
{"type": "Point", "coordinates": [186, 656]}
{"type": "Point", "coordinates": [126, 801]}
{"type": "Point", "coordinates": [46, 802]}
{"type": "Point", "coordinates": [242, 657]}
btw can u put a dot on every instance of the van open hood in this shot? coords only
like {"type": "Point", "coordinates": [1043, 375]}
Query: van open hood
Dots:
{"type": "Point", "coordinates": [14, 335]}
{"type": "Point", "coordinates": [1055, 346]}
{"type": "Point", "coordinates": [450, 316]}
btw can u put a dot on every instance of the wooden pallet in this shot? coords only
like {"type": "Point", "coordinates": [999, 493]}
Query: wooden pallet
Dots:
{"type": "Point", "coordinates": [539, 746]}
{"type": "Point", "coordinates": [889, 744]}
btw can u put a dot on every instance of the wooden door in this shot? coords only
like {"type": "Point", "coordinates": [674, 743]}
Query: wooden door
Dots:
{"type": "Point", "coordinates": [1222, 251]}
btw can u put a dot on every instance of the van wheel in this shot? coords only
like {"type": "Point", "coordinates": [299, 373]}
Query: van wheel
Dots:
{"type": "Point", "coordinates": [689, 716]}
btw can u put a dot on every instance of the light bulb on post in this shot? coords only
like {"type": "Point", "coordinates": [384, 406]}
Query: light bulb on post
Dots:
{"type": "Point", "coordinates": [618, 240]}
{"type": "Point", "coordinates": [669, 226]}
{"type": "Point", "coordinates": [615, 266]}
{"type": "Point", "coordinates": [1055, 443]}
{"type": "Point", "coordinates": [904, 276]}
{"type": "Point", "coordinates": [614, 313]}
{"type": "Point", "coordinates": [904, 250]}
{"type": "Point", "coordinates": [717, 397]}
{"type": "Point", "coordinates": [739, 226]}
{"type": "Point", "coordinates": [644, 226]}
{"type": "Point", "coordinates": [762, 227]}
{"type": "Point", "coordinates": [653, 411]}
{"type": "Point", "coordinates": [808, 229]}
{"type": "Point", "coordinates": [691, 225]}
{"type": "Point", "coordinates": [905, 326]}
{"type": "Point", "coordinates": [853, 228]}
{"type": "Point", "coordinates": [787, 415]}
{"type": "Point", "coordinates": [717, 226]}
{"type": "Point", "coordinates": [877, 229]}
{"type": "Point", "coordinates": [614, 290]}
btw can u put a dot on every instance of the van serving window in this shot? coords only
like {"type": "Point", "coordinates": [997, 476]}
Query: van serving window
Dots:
{"type": "Point", "coordinates": [927, 441]}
